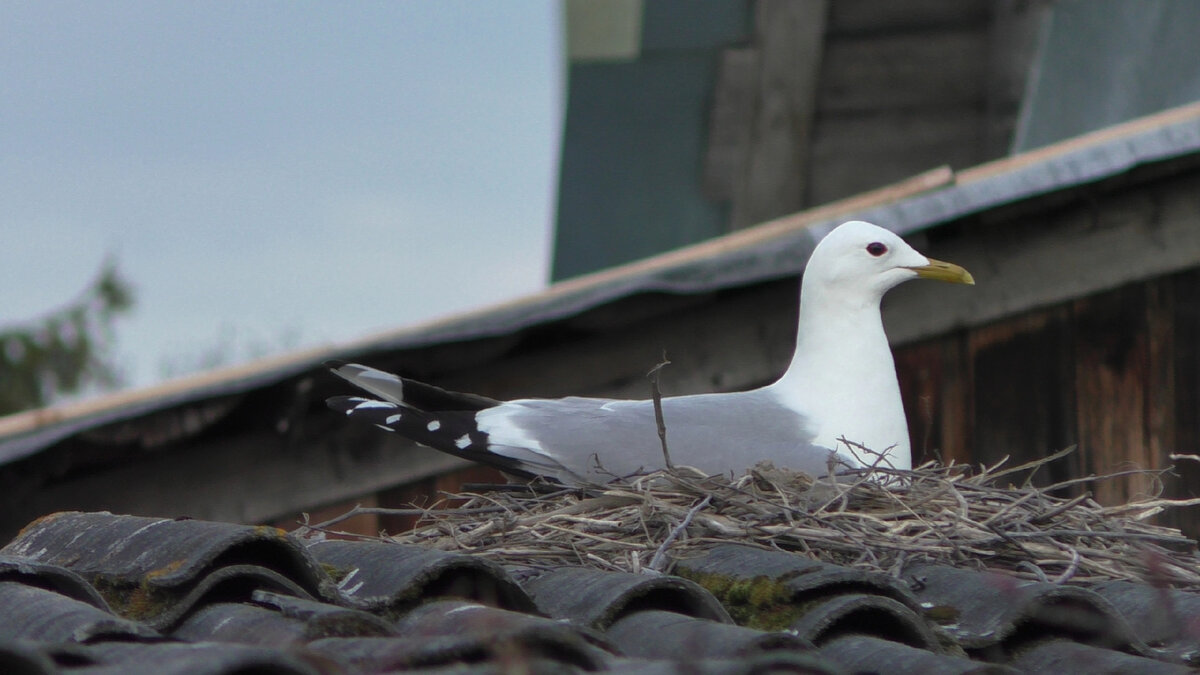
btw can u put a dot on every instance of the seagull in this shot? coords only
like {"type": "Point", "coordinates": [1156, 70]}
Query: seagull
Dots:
{"type": "Point", "coordinates": [837, 404]}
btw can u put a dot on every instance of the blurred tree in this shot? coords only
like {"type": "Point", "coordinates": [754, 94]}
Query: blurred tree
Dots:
{"type": "Point", "coordinates": [66, 350]}
{"type": "Point", "coordinates": [231, 345]}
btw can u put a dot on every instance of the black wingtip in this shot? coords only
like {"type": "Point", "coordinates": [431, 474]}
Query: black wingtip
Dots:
{"type": "Point", "coordinates": [337, 403]}
{"type": "Point", "coordinates": [343, 404]}
{"type": "Point", "coordinates": [452, 432]}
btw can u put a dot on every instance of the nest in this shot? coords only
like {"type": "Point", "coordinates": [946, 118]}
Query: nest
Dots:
{"type": "Point", "coordinates": [877, 519]}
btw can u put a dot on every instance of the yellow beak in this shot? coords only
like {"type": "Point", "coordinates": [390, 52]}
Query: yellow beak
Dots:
{"type": "Point", "coordinates": [944, 271]}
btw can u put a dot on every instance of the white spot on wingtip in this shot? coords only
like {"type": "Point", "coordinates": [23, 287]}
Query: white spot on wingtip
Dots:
{"type": "Point", "coordinates": [434, 425]}
{"type": "Point", "coordinates": [464, 608]}
{"type": "Point", "coordinates": [392, 419]}
{"type": "Point", "coordinates": [462, 441]}
{"type": "Point", "coordinates": [385, 428]}
{"type": "Point", "coordinates": [369, 403]}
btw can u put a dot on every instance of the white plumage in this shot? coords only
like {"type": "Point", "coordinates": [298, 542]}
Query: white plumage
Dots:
{"type": "Point", "coordinates": [841, 384]}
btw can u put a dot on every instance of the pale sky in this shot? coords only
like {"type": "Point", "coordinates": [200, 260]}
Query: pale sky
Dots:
{"type": "Point", "coordinates": [276, 172]}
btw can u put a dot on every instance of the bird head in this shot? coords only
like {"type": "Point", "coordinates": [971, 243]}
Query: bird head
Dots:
{"type": "Point", "coordinates": [863, 261]}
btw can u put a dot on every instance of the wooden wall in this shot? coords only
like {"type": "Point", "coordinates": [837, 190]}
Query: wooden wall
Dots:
{"type": "Point", "coordinates": [830, 99]}
{"type": "Point", "coordinates": [1115, 373]}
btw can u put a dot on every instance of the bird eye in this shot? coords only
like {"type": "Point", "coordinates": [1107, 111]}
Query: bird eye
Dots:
{"type": "Point", "coordinates": [876, 249]}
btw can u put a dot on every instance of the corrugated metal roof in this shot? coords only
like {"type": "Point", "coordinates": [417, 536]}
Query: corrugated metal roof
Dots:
{"type": "Point", "coordinates": [773, 250]}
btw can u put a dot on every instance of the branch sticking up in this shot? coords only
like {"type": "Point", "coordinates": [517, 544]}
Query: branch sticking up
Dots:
{"type": "Point", "coordinates": [656, 395]}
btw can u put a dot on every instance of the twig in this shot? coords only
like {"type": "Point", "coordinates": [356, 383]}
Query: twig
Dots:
{"type": "Point", "coordinates": [374, 511]}
{"type": "Point", "coordinates": [656, 396]}
{"type": "Point", "coordinates": [658, 562]}
{"type": "Point", "coordinates": [1061, 508]}
{"type": "Point", "coordinates": [1096, 479]}
{"type": "Point", "coordinates": [1071, 568]}
{"type": "Point", "coordinates": [1034, 465]}
{"type": "Point", "coordinates": [1097, 534]}
{"type": "Point", "coordinates": [543, 489]}
{"type": "Point", "coordinates": [929, 514]}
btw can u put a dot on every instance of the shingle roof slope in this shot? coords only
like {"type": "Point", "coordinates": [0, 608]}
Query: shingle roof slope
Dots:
{"type": "Point", "coordinates": [97, 593]}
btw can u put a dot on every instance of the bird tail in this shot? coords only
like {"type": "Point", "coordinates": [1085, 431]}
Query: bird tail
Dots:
{"type": "Point", "coordinates": [406, 392]}
{"type": "Point", "coordinates": [387, 386]}
{"type": "Point", "coordinates": [440, 419]}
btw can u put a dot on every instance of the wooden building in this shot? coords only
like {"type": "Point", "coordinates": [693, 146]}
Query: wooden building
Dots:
{"type": "Point", "coordinates": [704, 118]}
{"type": "Point", "coordinates": [1083, 328]}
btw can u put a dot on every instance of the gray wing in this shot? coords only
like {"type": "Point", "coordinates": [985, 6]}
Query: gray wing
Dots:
{"type": "Point", "coordinates": [595, 439]}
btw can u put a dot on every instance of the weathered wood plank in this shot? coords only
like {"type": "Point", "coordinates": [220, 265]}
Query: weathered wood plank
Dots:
{"type": "Point", "coordinates": [1013, 34]}
{"type": "Point", "coordinates": [856, 152]}
{"type": "Point", "coordinates": [1112, 372]}
{"type": "Point", "coordinates": [1020, 384]}
{"type": "Point", "coordinates": [1185, 406]}
{"type": "Point", "coordinates": [930, 69]}
{"type": "Point", "coordinates": [957, 400]}
{"type": "Point", "coordinates": [892, 131]}
{"type": "Point", "coordinates": [937, 400]}
{"type": "Point", "coordinates": [789, 35]}
{"type": "Point", "coordinates": [919, 368]}
{"type": "Point", "coordinates": [731, 121]}
{"type": "Point", "coordinates": [874, 16]}
{"type": "Point", "coordinates": [1161, 350]}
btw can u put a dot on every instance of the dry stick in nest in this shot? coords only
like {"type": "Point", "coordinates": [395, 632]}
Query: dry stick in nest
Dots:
{"type": "Point", "coordinates": [659, 561]}
{"type": "Point", "coordinates": [935, 514]}
{"type": "Point", "coordinates": [1032, 466]}
{"type": "Point", "coordinates": [656, 396]}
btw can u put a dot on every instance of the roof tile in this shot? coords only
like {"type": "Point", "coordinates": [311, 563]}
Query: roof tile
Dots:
{"type": "Point", "coordinates": [865, 614]}
{"type": "Point", "coordinates": [455, 653]}
{"type": "Point", "coordinates": [277, 619]}
{"type": "Point", "coordinates": [198, 658]}
{"type": "Point", "coordinates": [1066, 656]}
{"type": "Point", "coordinates": [154, 569]}
{"type": "Point", "coordinates": [864, 653]}
{"type": "Point", "coordinates": [31, 657]}
{"type": "Point", "coordinates": [658, 634]}
{"type": "Point", "coordinates": [34, 613]}
{"type": "Point", "coordinates": [395, 577]}
{"type": "Point", "coordinates": [990, 609]}
{"type": "Point", "coordinates": [243, 598]}
{"type": "Point", "coordinates": [51, 577]}
{"type": "Point", "coordinates": [596, 598]}
{"type": "Point", "coordinates": [1166, 619]}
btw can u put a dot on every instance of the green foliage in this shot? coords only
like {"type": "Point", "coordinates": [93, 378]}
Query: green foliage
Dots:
{"type": "Point", "coordinates": [66, 350]}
